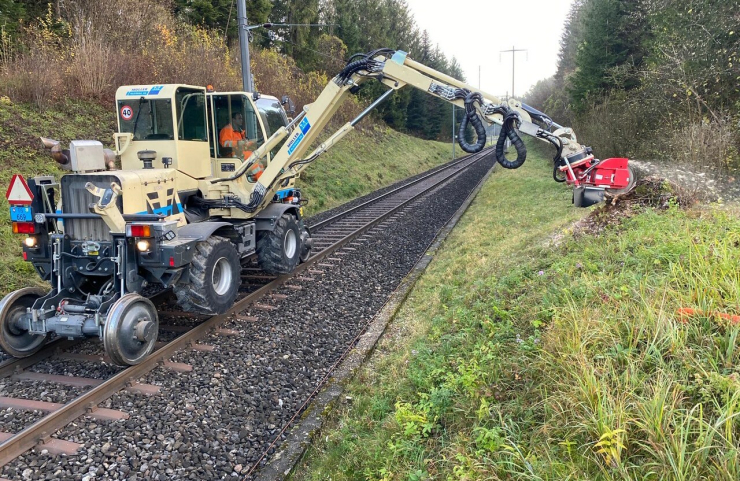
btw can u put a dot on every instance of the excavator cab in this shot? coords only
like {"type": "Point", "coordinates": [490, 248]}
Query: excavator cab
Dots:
{"type": "Point", "coordinates": [261, 118]}
{"type": "Point", "coordinates": [182, 123]}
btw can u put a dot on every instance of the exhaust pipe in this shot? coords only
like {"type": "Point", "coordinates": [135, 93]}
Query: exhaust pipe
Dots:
{"type": "Point", "coordinates": [110, 159]}
{"type": "Point", "coordinates": [57, 153]}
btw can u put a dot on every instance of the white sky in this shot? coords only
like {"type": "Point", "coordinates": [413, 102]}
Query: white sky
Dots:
{"type": "Point", "coordinates": [474, 31]}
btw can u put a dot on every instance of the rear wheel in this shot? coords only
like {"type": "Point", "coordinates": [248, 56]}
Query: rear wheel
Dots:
{"type": "Point", "coordinates": [15, 340]}
{"type": "Point", "coordinates": [279, 250]}
{"type": "Point", "coordinates": [215, 275]}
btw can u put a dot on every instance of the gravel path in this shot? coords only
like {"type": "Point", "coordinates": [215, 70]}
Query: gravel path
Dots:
{"type": "Point", "coordinates": [215, 422]}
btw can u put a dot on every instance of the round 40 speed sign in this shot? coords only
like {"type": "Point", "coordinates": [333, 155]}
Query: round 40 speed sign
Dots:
{"type": "Point", "coordinates": [127, 113]}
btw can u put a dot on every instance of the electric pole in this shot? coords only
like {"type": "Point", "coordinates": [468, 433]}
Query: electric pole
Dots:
{"type": "Point", "coordinates": [513, 63]}
{"type": "Point", "coordinates": [453, 131]}
{"type": "Point", "coordinates": [241, 13]}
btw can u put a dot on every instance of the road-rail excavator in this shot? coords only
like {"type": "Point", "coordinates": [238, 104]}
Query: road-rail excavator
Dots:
{"type": "Point", "coordinates": [188, 205]}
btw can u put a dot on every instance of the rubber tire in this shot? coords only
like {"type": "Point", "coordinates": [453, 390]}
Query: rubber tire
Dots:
{"type": "Point", "coordinates": [196, 293]}
{"type": "Point", "coordinates": [271, 255]}
{"type": "Point", "coordinates": [615, 192]}
{"type": "Point", "coordinates": [20, 299]}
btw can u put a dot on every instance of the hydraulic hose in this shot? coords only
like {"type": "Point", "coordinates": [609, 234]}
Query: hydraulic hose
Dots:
{"type": "Point", "coordinates": [508, 130]}
{"type": "Point", "coordinates": [471, 116]}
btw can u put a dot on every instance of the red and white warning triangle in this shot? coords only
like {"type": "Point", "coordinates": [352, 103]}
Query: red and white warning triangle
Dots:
{"type": "Point", "coordinates": [18, 191]}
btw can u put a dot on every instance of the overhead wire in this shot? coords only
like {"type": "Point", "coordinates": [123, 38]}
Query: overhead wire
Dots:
{"type": "Point", "coordinates": [303, 47]}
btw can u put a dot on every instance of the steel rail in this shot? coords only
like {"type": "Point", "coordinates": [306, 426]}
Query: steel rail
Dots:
{"type": "Point", "coordinates": [40, 431]}
{"type": "Point", "coordinates": [336, 217]}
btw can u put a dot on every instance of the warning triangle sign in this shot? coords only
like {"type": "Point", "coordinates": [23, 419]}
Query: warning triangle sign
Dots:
{"type": "Point", "coordinates": [18, 192]}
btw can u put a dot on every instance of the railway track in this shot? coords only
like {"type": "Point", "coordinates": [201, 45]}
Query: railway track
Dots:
{"type": "Point", "coordinates": [330, 235]}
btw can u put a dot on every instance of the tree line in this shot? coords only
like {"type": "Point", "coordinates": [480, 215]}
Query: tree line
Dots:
{"type": "Point", "coordinates": [650, 78]}
{"type": "Point", "coordinates": [320, 38]}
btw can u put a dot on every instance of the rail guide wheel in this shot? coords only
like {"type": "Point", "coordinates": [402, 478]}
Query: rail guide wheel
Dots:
{"type": "Point", "coordinates": [131, 330]}
{"type": "Point", "coordinates": [14, 339]}
{"type": "Point", "coordinates": [306, 244]}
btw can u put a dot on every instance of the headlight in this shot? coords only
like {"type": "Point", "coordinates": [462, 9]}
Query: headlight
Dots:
{"type": "Point", "coordinates": [30, 241]}
{"type": "Point", "coordinates": [142, 245]}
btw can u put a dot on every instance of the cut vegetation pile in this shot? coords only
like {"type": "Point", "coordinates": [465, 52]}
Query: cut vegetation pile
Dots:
{"type": "Point", "coordinates": [519, 358]}
{"type": "Point", "coordinates": [651, 192]}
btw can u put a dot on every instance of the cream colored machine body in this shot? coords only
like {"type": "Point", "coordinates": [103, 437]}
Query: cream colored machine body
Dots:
{"type": "Point", "coordinates": [207, 180]}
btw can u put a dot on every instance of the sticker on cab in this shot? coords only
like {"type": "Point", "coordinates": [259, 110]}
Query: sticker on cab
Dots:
{"type": "Point", "coordinates": [127, 113]}
{"type": "Point", "coordinates": [137, 92]}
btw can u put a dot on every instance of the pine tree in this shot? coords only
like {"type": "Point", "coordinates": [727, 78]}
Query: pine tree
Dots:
{"type": "Point", "coordinates": [613, 36]}
{"type": "Point", "coordinates": [221, 14]}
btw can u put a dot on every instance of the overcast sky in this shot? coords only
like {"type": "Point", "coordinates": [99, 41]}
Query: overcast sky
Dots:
{"type": "Point", "coordinates": [474, 31]}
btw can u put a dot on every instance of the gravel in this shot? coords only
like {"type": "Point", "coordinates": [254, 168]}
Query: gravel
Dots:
{"type": "Point", "coordinates": [215, 422]}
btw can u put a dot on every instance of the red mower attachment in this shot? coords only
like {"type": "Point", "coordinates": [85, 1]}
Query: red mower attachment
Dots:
{"type": "Point", "coordinates": [593, 178]}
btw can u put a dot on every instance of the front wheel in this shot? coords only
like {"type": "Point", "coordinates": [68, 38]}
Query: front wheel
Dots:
{"type": "Point", "coordinates": [214, 279]}
{"type": "Point", "coordinates": [279, 250]}
{"type": "Point", "coordinates": [14, 339]}
{"type": "Point", "coordinates": [131, 329]}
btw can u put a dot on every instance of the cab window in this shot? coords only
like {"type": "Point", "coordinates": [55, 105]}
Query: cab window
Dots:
{"type": "Point", "coordinates": [147, 119]}
{"type": "Point", "coordinates": [191, 114]}
{"type": "Point", "coordinates": [273, 116]}
{"type": "Point", "coordinates": [225, 107]}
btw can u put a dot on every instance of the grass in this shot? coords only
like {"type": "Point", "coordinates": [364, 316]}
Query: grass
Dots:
{"type": "Point", "coordinates": [363, 162]}
{"type": "Point", "coordinates": [527, 353]}
{"type": "Point", "coordinates": [21, 153]}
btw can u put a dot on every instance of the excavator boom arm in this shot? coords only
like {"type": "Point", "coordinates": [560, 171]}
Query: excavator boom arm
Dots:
{"type": "Point", "coordinates": [395, 70]}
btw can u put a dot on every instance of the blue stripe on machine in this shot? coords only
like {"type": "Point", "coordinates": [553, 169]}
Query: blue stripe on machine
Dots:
{"type": "Point", "coordinates": [166, 210]}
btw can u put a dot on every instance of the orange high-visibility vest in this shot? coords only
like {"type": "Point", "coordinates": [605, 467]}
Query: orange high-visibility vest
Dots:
{"type": "Point", "coordinates": [228, 137]}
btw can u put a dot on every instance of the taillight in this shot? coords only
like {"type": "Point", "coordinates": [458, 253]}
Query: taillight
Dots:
{"type": "Point", "coordinates": [24, 228]}
{"type": "Point", "coordinates": [136, 230]}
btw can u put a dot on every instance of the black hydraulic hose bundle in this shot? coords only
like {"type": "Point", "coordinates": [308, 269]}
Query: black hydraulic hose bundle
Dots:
{"type": "Point", "coordinates": [557, 176]}
{"type": "Point", "coordinates": [366, 62]}
{"type": "Point", "coordinates": [229, 201]}
{"type": "Point", "coordinates": [508, 129]}
{"type": "Point", "coordinates": [471, 117]}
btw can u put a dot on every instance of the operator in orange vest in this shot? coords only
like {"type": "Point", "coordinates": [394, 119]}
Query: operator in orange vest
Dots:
{"type": "Point", "coordinates": [233, 136]}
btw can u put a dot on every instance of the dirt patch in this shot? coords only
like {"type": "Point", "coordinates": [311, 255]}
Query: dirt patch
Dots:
{"type": "Point", "coordinates": [649, 193]}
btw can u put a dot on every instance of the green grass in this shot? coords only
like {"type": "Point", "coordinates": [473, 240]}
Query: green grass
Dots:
{"type": "Point", "coordinates": [21, 153]}
{"type": "Point", "coordinates": [526, 353]}
{"type": "Point", "coordinates": [361, 163]}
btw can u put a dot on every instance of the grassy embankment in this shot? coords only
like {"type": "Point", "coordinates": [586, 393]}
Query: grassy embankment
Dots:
{"type": "Point", "coordinates": [526, 353]}
{"type": "Point", "coordinates": [361, 163]}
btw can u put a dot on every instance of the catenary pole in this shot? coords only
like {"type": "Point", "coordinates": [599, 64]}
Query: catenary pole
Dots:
{"type": "Point", "coordinates": [513, 51]}
{"type": "Point", "coordinates": [241, 13]}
